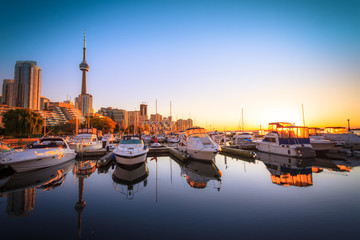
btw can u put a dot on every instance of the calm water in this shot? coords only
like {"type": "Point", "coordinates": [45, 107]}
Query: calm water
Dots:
{"type": "Point", "coordinates": [270, 198]}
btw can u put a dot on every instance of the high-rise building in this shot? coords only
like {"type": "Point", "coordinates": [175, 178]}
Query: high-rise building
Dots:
{"type": "Point", "coordinates": [8, 92]}
{"type": "Point", "coordinates": [133, 118]}
{"type": "Point", "coordinates": [27, 84]}
{"type": "Point", "coordinates": [84, 100]}
{"type": "Point", "coordinates": [143, 112]}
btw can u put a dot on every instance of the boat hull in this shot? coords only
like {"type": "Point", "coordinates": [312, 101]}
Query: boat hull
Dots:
{"type": "Point", "coordinates": [203, 154]}
{"type": "Point", "coordinates": [299, 151]}
{"type": "Point", "coordinates": [130, 159]}
{"type": "Point", "coordinates": [42, 161]}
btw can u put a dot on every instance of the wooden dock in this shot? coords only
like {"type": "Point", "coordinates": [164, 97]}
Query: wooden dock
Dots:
{"type": "Point", "coordinates": [178, 155]}
{"type": "Point", "coordinates": [91, 153]}
{"type": "Point", "coordinates": [238, 152]}
{"type": "Point", "coordinates": [105, 160]}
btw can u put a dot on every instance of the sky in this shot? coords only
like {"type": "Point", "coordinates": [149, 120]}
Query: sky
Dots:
{"type": "Point", "coordinates": [211, 59]}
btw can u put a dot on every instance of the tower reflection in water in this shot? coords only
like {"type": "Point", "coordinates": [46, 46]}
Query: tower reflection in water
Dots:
{"type": "Point", "coordinates": [130, 179]}
{"type": "Point", "coordinates": [82, 170]}
{"type": "Point", "coordinates": [198, 174]}
{"type": "Point", "coordinates": [20, 188]}
{"type": "Point", "coordinates": [287, 171]}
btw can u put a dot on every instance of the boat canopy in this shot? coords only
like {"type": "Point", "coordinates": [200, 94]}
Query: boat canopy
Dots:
{"type": "Point", "coordinates": [314, 131]}
{"type": "Point", "coordinates": [275, 125]}
{"type": "Point", "coordinates": [191, 131]}
{"type": "Point", "coordinates": [336, 130]}
{"type": "Point", "coordinates": [293, 132]}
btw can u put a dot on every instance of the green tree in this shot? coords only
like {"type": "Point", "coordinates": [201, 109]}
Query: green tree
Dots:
{"type": "Point", "coordinates": [22, 121]}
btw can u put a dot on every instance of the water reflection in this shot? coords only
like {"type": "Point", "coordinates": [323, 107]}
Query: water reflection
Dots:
{"type": "Point", "coordinates": [288, 171]}
{"type": "Point", "coordinates": [82, 170]}
{"type": "Point", "coordinates": [20, 187]}
{"type": "Point", "coordinates": [130, 179]}
{"type": "Point", "coordinates": [198, 174]}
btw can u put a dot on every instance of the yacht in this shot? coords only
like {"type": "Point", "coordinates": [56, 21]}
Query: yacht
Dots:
{"type": "Point", "coordinates": [129, 179]}
{"type": "Point", "coordinates": [44, 153]}
{"type": "Point", "coordinates": [288, 140]}
{"type": "Point", "coordinates": [86, 140]}
{"type": "Point", "coordinates": [198, 144]}
{"type": "Point", "coordinates": [318, 142]}
{"type": "Point", "coordinates": [173, 138]}
{"type": "Point", "coordinates": [131, 150]}
{"type": "Point", "coordinates": [146, 138]}
{"type": "Point", "coordinates": [243, 140]}
{"type": "Point", "coordinates": [341, 135]}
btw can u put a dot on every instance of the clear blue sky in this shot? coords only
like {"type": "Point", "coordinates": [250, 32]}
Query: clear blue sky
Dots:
{"type": "Point", "coordinates": [210, 58]}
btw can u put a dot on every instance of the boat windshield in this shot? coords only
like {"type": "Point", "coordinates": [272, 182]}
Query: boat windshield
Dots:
{"type": "Point", "coordinates": [131, 141]}
{"type": "Point", "coordinates": [198, 135]}
{"type": "Point", "coordinates": [293, 132]}
{"type": "Point", "coordinates": [192, 131]}
{"type": "Point", "coordinates": [5, 148]}
{"type": "Point", "coordinates": [56, 143]}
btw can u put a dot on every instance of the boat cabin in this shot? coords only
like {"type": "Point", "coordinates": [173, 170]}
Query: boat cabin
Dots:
{"type": "Point", "coordinates": [336, 130]}
{"type": "Point", "coordinates": [275, 125]}
{"type": "Point", "coordinates": [314, 131]}
{"type": "Point", "coordinates": [131, 139]}
{"type": "Point", "coordinates": [49, 143]}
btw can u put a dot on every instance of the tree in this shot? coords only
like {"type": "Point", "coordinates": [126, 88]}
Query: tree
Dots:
{"type": "Point", "coordinates": [22, 121]}
{"type": "Point", "coordinates": [104, 124]}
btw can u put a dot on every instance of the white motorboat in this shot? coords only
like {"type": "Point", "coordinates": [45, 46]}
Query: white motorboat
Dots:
{"type": "Point", "coordinates": [146, 138]}
{"type": "Point", "coordinates": [127, 180]}
{"type": "Point", "coordinates": [288, 140]}
{"type": "Point", "coordinates": [198, 144]}
{"type": "Point", "coordinates": [341, 135]}
{"type": "Point", "coordinates": [243, 140]}
{"type": "Point", "coordinates": [108, 137]}
{"type": "Point", "coordinates": [86, 140]}
{"type": "Point", "coordinates": [173, 138]}
{"type": "Point", "coordinates": [44, 153]}
{"type": "Point", "coordinates": [131, 150]}
{"type": "Point", "coordinates": [318, 141]}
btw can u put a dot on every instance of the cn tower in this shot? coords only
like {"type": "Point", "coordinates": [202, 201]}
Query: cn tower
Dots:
{"type": "Point", "coordinates": [84, 67]}
{"type": "Point", "coordinates": [84, 100]}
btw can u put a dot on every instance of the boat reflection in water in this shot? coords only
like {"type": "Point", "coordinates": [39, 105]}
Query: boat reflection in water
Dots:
{"type": "Point", "coordinates": [288, 171]}
{"type": "Point", "coordinates": [198, 174]}
{"type": "Point", "coordinates": [20, 187]}
{"type": "Point", "coordinates": [130, 179]}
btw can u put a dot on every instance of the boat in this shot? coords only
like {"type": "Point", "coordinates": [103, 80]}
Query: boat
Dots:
{"type": "Point", "coordinates": [131, 150]}
{"type": "Point", "coordinates": [318, 141]}
{"type": "Point", "coordinates": [288, 140]}
{"type": "Point", "coordinates": [243, 140]}
{"type": "Point", "coordinates": [158, 138]}
{"type": "Point", "coordinates": [129, 179]}
{"type": "Point", "coordinates": [46, 152]}
{"type": "Point", "coordinates": [341, 135]}
{"type": "Point", "coordinates": [173, 138]}
{"type": "Point", "coordinates": [146, 138]}
{"type": "Point", "coordinates": [198, 144]}
{"type": "Point", "coordinates": [86, 140]}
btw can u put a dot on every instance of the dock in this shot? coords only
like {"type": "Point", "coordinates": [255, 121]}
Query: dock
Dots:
{"type": "Point", "coordinates": [105, 160]}
{"type": "Point", "coordinates": [91, 153]}
{"type": "Point", "coordinates": [178, 154]}
{"type": "Point", "coordinates": [238, 152]}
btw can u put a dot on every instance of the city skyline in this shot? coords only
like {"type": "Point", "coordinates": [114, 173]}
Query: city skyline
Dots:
{"type": "Point", "coordinates": [210, 60]}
